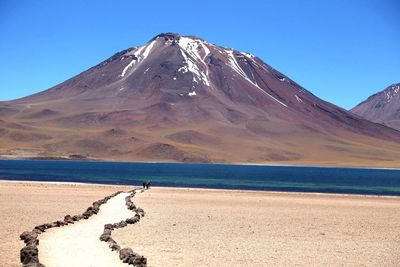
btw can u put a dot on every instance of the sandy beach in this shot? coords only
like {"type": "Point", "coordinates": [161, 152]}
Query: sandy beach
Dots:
{"type": "Point", "coordinates": [198, 227]}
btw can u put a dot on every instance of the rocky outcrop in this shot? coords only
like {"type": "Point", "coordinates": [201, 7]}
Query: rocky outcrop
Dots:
{"type": "Point", "coordinates": [29, 254]}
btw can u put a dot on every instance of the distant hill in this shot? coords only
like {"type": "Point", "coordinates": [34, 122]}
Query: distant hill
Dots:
{"type": "Point", "coordinates": [382, 107]}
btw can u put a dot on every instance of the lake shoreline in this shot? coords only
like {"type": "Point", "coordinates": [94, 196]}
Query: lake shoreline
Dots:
{"type": "Point", "coordinates": [272, 164]}
{"type": "Point", "coordinates": [224, 190]}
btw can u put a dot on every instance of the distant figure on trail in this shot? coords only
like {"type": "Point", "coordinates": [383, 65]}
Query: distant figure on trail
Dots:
{"type": "Point", "coordinates": [144, 185]}
{"type": "Point", "coordinates": [148, 185]}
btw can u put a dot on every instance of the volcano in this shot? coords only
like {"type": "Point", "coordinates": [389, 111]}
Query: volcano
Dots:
{"type": "Point", "coordinates": [181, 98]}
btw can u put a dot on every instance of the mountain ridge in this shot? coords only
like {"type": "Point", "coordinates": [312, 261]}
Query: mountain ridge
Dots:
{"type": "Point", "coordinates": [382, 107]}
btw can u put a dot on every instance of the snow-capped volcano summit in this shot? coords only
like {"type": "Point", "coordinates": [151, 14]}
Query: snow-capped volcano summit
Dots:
{"type": "Point", "coordinates": [173, 66]}
{"type": "Point", "coordinates": [182, 98]}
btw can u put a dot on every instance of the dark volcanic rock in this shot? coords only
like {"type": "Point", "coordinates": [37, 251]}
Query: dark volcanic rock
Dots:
{"type": "Point", "coordinates": [59, 223]}
{"type": "Point", "coordinates": [37, 231]}
{"type": "Point", "coordinates": [29, 255]}
{"type": "Point", "coordinates": [108, 226]}
{"type": "Point", "coordinates": [41, 228]}
{"type": "Point", "coordinates": [105, 237]}
{"type": "Point", "coordinates": [128, 256]}
{"type": "Point", "coordinates": [138, 261]}
{"type": "Point", "coordinates": [140, 211]}
{"type": "Point", "coordinates": [27, 236]}
{"type": "Point", "coordinates": [30, 238]}
{"type": "Point", "coordinates": [76, 218]}
{"type": "Point", "coordinates": [68, 219]}
{"type": "Point", "coordinates": [121, 224]}
{"type": "Point", "coordinates": [115, 247]}
{"type": "Point", "coordinates": [133, 220]}
{"type": "Point", "coordinates": [124, 254]}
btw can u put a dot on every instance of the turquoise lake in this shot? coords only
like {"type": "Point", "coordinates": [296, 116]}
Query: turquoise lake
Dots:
{"type": "Point", "coordinates": [248, 177]}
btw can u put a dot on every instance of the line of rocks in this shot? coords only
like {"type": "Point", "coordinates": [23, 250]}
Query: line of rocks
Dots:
{"type": "Point", "coordinates": [126, 255]}
{"type": "Point", "coordinates": [29, 254]}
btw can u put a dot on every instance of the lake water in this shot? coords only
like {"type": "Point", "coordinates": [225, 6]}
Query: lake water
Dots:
{"type": "Point", "coordinates": [276, 178]}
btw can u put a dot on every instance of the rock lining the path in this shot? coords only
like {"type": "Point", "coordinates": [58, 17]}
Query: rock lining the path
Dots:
{"type": "Point", "coordinates": [29, 254]}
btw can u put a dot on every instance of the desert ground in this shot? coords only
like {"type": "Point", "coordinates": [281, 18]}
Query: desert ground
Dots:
{"type": "Point", "coordinates": [200, 227]}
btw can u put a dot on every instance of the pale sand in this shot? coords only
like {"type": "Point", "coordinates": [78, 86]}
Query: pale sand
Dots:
{"type": "Point", "coordinates": [78, 245]}
{"type": "Point", "coordinates": [194, 227]}
{"type": "Point", "coordinates": [237, 228]}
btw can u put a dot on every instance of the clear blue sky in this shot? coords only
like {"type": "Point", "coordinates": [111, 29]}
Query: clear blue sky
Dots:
{"type": "Point", "coordinates": [340, 50]}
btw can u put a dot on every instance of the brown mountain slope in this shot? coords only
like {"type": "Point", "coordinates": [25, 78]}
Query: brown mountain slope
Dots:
{"type": "Point", "coordinates": [382, 107]}
{"type": "Point", "coordinates": [184, 99]}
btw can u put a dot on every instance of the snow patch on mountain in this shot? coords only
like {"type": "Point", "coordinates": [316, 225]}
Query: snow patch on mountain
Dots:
{"type": "Point", "coordinates": [392, 92]}
{"type": "Point", "coordinates": [247, 54]}
{"type": "Point", "coordinates": [235, 65]}
{"type": "Point", "coordinates": [192, 67]}
{"type": "Point", "coordinates": [183, 69]}
{"type": "Point", "coordinates": [298, 98]}
{"type": "Point", "coordinates": [139, 56]}
{"type": "Point", "coordinates": [193, 47]}
{"type": "Point", "coordinates": [192, 50]}
{"type": "Point", "coordinates": [274, 98]}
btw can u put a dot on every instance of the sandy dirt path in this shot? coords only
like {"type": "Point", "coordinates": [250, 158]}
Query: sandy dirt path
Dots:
{"type": "Point", "coordinates": [79, 245]}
